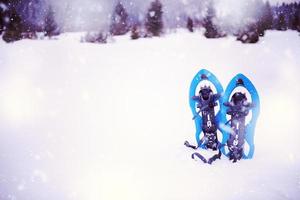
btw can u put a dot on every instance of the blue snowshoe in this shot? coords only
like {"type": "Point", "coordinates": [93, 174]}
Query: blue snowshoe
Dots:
{"type": "Point", "coordinates": [203, 109]}
{"type": "Point", "coordinates": [236, 132]}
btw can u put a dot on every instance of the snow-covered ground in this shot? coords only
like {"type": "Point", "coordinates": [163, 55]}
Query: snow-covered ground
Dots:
{"type": "Point", "coordinates": [100, 122]}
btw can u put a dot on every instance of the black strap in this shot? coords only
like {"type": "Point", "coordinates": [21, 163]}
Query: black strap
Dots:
{"type": "Point", "coordinates": [235, 155]}
{"type": "Point", "coordinates": [214, 157]}
{"type": "Point", "coordinates": [211, 159]}
{"type": "Point", "coordinates": [199, 156]}
{"type": "Point", "coordinates": [187, 144]}
{"type": "Point", "coordinates": [228, 121]}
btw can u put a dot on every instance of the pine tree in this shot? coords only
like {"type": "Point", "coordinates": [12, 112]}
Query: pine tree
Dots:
{"type": "Point", "coordinates": [281, 22]}
{"type": "Point", "coordinates": [135, 32]}
{"type": "Point", "coordinates": [32, 12]}
{"type": "Point", "coordinates": [190, 24]}
{"type": "Point", "coordinates": [51, 27]}
{"type": "Point", "coordinates": [275, 13]}
{"type": "Point", "coordinates": [119, 23]}
{"type": "Point", "coordinates": [294, 17]}
{"type": "Point", "coordinates": [279, 18]}
{"type": "Point", "coordinates": [4, 17]}
{"type": "Point", "coordinates": [267, 17]}
{"type": "Point", "coordinates": [211, 29]}
{"type": "Point", "coordinates": [297, 18]}
{"type": "Point", "coordinates": [154, 22]}
{"type": "Point", "coordinates": [14, 27]}
{"type": "Point", "coordinates": [264, 17]}
{"type": "Point", "coordinates": [29, 11]}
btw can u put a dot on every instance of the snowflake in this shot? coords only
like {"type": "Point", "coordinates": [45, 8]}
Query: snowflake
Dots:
{"type": "Point", "coordinates": [6, 19]}
{"type": "Point", "coordinates": [21, 187]}
{"type": "Point", "coordinates": [152, 14]}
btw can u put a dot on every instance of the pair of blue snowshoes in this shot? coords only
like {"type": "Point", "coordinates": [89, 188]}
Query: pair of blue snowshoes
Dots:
{"type": "Point", "coordinates": [215, 111]}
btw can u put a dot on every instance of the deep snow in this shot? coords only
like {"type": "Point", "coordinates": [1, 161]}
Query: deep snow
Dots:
{"type": "Point", "coordinates": [99, 122]}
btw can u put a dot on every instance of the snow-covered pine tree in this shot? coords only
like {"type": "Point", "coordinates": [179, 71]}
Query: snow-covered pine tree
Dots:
{"type": "Point", "coordinates": [28, 11]}
{"type": "Point", "coordinates": [119, 22]}
{"type": "Point", "coordinates": [265, 18]}
{"type": "Point", "coordinates": [154, 22]}
{"type": "Point", "coordinates": [31, 11]}
{"type": "Point", "coordinates": [211, 28]}
{"type": "Point", "coordinates": [51, 28]}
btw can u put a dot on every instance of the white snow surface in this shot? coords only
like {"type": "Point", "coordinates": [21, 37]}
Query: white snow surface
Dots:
{"type": "Point", "coordinates": [103, 122]}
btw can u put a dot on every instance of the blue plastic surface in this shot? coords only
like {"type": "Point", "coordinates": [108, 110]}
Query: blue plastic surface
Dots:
{"type": "Point", "coordinates": [195, 82]}
{"type": "Point", "coordinates": [250, 127]}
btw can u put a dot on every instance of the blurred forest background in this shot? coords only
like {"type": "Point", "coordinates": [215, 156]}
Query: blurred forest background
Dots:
{"type": "Point", "coordinates": [247, 21]}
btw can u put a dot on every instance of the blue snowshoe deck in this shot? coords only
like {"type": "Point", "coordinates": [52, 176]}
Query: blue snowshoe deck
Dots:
{"type": "Point", "coordinates": [201, 76]}
{"type": "Point", "coordinates": [242, 81]}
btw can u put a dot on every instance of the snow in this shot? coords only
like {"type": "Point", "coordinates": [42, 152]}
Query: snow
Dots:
{"type": "Point", "coordinates": [108, 121]}
{"type": "Point", "coordinates": [152, 13]}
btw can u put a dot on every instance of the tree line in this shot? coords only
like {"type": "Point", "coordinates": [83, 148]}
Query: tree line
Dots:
{"type": "Point", "coordinates": [14, 26]}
